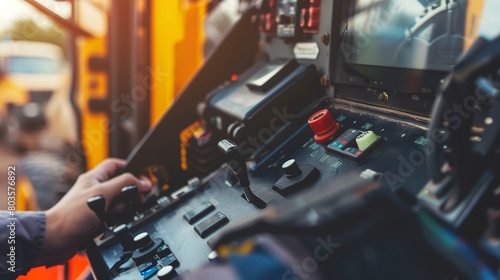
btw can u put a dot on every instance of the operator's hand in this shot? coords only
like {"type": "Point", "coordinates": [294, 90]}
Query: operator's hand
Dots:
{"type": "Point", "coordinates": [70, 221]}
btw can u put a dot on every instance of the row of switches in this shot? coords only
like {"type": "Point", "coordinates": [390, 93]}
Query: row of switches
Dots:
{"type": "Point", "coordinates": [208, 225]}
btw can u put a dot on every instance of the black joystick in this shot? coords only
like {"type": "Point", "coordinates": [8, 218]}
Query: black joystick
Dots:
{"type": "Point", "coordinates": [98, 205]}
{"type": "Point", "coordinates": [149, 249]}
{"type": "Point", "coordinates": [131, 196]}
{"type": "Point", "coordinates": [296, 177]}
{"type": "Point", "coordinates": [143, 240]}
{"type": "Point", "coordinates": [236, 162]}
{"type": "Point", "coordinates": [125, 237]}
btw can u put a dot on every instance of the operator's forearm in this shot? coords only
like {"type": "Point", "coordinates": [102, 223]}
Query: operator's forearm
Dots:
{"type": "Point", "coordinates": [21, 238]}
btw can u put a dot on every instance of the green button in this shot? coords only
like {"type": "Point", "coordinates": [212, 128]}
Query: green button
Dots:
{"type": "Point", "coordinates": [366, 139]}
{"type": "Point", "coordinates": [337, 145]}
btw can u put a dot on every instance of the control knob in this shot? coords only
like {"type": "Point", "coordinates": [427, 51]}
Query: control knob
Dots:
{"type": "Point", "coordinates": [291, 168]}
{"type": "Point", "coordinates": [125, 237]}
{"type": "Point", "coordinates": [166, 273]}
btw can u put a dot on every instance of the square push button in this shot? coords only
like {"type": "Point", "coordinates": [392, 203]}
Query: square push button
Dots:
{"type": "Point", "coordinates": [211, 224]}
{"type": "Point", "coordinates": [199, 212]}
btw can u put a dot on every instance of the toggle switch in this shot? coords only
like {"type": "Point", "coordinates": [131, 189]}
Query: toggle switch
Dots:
{"type": "Point", "coordinates": [313, 22]}
{"type": "Point", "coordinates": [366, 139]}
{"type": "Point", "coordinates": [303, 18]}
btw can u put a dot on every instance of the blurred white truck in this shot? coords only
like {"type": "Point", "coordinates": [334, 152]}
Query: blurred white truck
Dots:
{"type": "Point", "coordinates": [33, 73]}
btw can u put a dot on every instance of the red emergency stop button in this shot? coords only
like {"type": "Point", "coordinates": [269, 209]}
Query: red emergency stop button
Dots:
{"type": "Point", "coordinates": [323, 125]}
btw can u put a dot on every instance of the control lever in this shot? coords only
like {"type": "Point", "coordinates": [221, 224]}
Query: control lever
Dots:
{"type": "Point", "coordinates": [98, 205]}
{"type": "Point", "coordinates": [131, 196]}
{"type": "Point", "coordinates": [236, 162]}
{"type": "Point", "coordinates": [125, 238]}
{"type": "Point", "coordinates": [122, 233]}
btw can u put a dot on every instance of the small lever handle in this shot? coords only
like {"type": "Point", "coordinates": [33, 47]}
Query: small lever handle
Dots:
{"type": "Point", "coordinates": [97, 204]}
{"type": "Point", "coordinates": [236, 162]}
{"type": "Point", "coordinates": [131, 195]}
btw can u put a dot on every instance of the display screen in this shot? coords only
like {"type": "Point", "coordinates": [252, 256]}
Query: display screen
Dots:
{"type": "Point", "coordinates": [415, 34]}
{"type": "Point", "coordinates": [394, 53]}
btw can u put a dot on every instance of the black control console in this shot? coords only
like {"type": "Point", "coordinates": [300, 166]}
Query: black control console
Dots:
{"type": "Point", "coordinates": [332, 100]}
{"type": "Point", "coordinates": [188, 223]}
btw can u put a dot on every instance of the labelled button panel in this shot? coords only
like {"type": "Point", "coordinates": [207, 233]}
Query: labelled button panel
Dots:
{"type": "Point", "coordinates": [169, 259]}
{"type": "Point", "coordinates": [163, 251]}
{"type": "Point", "coordinates": [150, 268]}
{"type": "Point", "coordinates": [211, 224]}
{"type": "Point", "coordinates": [149, 272]}
{"type": "Point", "coordinates": [346, 140]}
{"type": "Point", "coordinates": [355, 145]}
{"type": "Point", "coordinates": [199, 212]}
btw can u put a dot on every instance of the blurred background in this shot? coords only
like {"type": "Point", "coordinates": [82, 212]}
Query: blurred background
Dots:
{"type": "Point", "coordinates": [82, 80]}
{"type": "Point", "coordinates": [35, 89]}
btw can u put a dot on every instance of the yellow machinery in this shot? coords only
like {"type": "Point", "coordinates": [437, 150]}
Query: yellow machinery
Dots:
{"type": "Point", "coordinates": [175, 45]}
